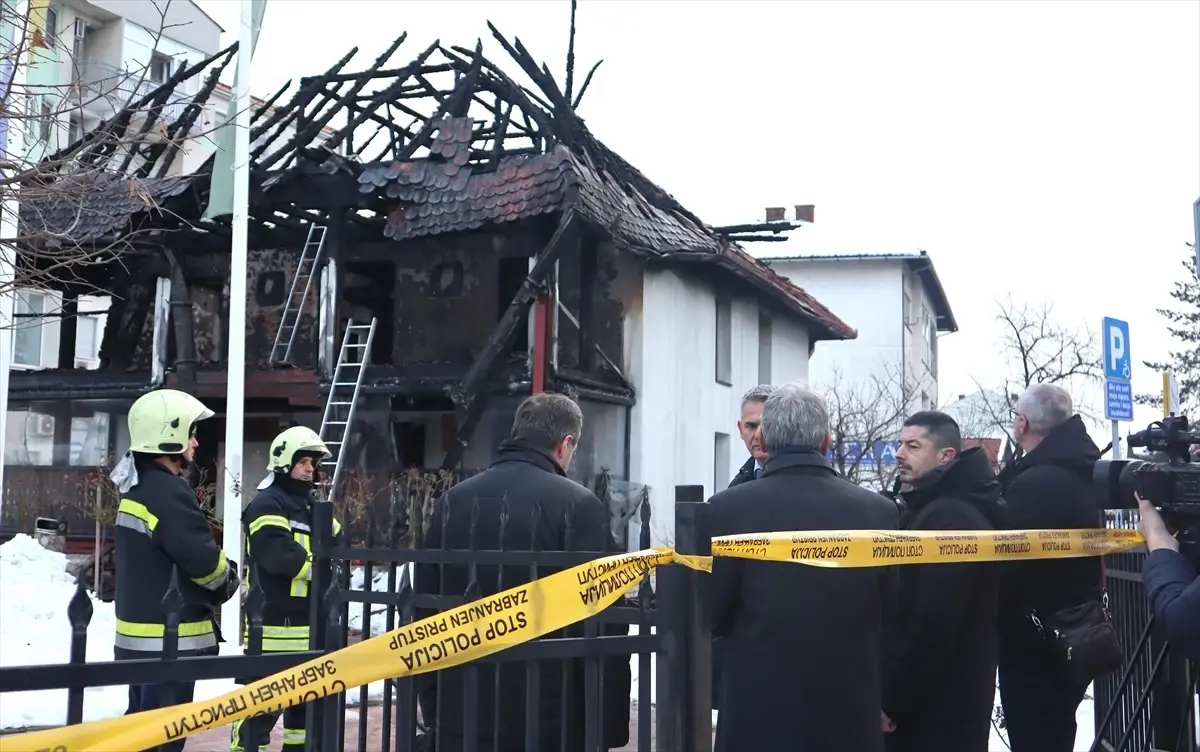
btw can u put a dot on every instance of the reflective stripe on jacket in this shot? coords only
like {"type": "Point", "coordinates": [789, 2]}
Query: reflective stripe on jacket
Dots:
{"type": "Point", "coordinates": [278, 526]}
{"type": "Point", "coordinates": [159, 526]}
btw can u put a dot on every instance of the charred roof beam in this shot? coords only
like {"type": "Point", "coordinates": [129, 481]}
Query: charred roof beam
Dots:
{"type": "Point", "coordinates": [163, 154]}
{"type": "Point", "coordinates": [284, 117]}
{"type": "Point", "coordinates": [314, 128]}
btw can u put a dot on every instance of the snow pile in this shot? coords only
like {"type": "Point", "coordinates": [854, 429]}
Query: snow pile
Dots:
{"type": "Point", "coordinates": [35, 590]}
{"type": "Point", "coordinates": [379, 584]}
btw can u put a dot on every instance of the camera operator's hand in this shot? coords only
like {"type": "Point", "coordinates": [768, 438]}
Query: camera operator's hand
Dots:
{"type": "Point", "coordinates": [1152, 527]}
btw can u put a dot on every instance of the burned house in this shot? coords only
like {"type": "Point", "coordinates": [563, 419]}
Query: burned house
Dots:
{"type": "Point", "coordinates": [462, 241]}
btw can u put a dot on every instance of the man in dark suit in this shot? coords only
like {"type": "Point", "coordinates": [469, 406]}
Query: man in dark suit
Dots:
{"type": "Point", "coordinates": [529, 472]}
{"type": "Point", "coordinates": [748, 426]}
{"type": "Point", "coordinates": [802, 642]}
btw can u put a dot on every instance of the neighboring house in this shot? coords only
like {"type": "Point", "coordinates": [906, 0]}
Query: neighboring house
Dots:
{"type": "Point", "coordinates": [898, 306]}
{"type": "Point", "coordinates": [498, 256]}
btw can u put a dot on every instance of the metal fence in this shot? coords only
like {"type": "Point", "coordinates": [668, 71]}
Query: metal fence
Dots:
{"type": "Point", "coordinates": [576, 663]}
{"type": "Point", "coordinates": [1149, 705]}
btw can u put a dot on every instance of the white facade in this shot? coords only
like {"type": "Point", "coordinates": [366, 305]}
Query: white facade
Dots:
{"type": "Point", "coordinates": [690, 384]}
{"type": "Point", "coordinates": [899, 310]}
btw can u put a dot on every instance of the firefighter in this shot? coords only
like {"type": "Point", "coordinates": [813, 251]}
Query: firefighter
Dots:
{"type": "Point", "coordinates": [278, 525]}
{"type": "Point", "coordinates": [160, 529]}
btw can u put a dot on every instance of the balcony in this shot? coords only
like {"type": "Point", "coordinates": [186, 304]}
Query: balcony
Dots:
{"type": "Point", "coordinates": [104, 88]}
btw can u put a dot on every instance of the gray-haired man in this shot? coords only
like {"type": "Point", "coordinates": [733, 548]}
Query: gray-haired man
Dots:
{"type": "Point", "coordinates": [783, 625]}
{"type": "Point", "coordinates": [749, 426]}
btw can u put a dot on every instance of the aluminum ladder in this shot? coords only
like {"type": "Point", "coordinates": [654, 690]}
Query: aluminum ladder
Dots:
{"type": "Point", "coordinates": [285, 337]}
{"type": "Point", "coordinates": [343, 397]}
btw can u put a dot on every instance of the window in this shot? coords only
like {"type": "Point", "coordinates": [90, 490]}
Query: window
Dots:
{"type": "Point", "coordinates": [29, 438]}
{"type": "Point", "coordinates": [908, 319]}
{"type": "Point", "coordinates": [764, 349]}
{"type": "Point", "coordinates": [51, 35]}
{"type": "Point", "coordinates": [74, 129]}
{"type": "Point", "coordinates": [89, 440]}
{"type": "Point", "coordinates": [929, 332]}
{"type": "Point", "coordinates": [160, 68]}
{"type": "Point", "coordinates": [87, 342]}
{"type": "Point", "coordinates": [27, 334]}
{"type": "Point", "coordinates": [724, 343]}
{"type": "Point", "coordinates": [721, 476]}
{"type": "Point", "coordinates": [45, 119]}
{"type": "Point", "coordinates": [925, 403]}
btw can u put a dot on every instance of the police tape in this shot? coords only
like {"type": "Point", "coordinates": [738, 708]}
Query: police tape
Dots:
{"type": "Point", "coordinates": [874, 548]}
{"type": "Point", "coordinates": [492, 624]}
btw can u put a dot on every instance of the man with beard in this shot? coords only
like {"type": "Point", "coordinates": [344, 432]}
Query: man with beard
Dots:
{"type": "Point", "coordinates": [278, 525]}
{"type": "Point", "coordinates": [160, 528]}
{"type": "Point", "coordinates": [939, 667]}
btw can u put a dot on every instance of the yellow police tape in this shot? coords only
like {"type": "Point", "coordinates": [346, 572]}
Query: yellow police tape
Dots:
{"type": "Point", "coordinates": [489, 625]}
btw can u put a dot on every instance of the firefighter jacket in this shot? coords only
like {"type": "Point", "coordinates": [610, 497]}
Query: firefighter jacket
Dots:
{"type": "Point", "coordinates": [159, 527]}
{"type": "Point", "coordinates": [278, 524]}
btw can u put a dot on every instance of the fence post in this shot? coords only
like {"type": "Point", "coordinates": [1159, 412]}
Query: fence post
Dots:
{"type": "Point", "coordinates": [322, 721]}
{"type": "Point", "coordinates": [684, 720]}
{"type": "Point", "coordinates": [1171, 700]}
{"type": "Point", "coordinates": [79, 614]}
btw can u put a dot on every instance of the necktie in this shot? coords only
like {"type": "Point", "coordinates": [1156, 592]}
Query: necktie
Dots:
{"type": "Point", "coordinates": [757, 472]}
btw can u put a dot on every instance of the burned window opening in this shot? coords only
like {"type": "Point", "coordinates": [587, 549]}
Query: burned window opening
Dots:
{"type": "Point", "coordinates": [511, 275]}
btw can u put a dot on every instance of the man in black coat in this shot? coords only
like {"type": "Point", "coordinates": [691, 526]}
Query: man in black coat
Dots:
{"type": "Point", "coordinates": [802, 643]}
{"type": "Point", "coordinates": [939, 670]}
{"type": "Point", "coordinates": [750, 428]}
{"type": "Point", "coordinates": [1048, 488]}
{"type": "Point", "coordinates": [528, 483]}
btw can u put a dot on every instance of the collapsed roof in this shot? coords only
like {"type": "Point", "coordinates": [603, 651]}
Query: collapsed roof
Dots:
{"type": "Point", "coordinates": [463, 147]}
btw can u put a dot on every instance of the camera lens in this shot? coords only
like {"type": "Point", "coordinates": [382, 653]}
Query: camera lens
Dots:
{"type": "Point", "coordinates": [1114, 483]}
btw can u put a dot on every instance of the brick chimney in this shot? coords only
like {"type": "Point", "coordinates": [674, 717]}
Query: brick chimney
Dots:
{"type": "Point", "coordinates": [776, 214]}
{"type": "Point", "coordinates": [805, 213]}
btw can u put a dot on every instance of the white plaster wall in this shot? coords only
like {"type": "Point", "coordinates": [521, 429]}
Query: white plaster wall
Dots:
{"type": "Point", "coordinates": [671, 359]}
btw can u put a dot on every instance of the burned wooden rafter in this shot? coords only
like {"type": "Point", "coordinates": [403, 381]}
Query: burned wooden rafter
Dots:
{"type": "Point", "coordinates": [469, 394]}
{"type": "Point", "coordinates": [87, 148]}
{"type": "Point", "coordinates": [164, 153]}
{"type": "Point", "coordinates": [755, 239]}
{"type": "Point", "coordinates": [458, 102]}
{"type": "Point", "coordinates": [315, 123]}
{"type": "Point", "coordinates": [284, 117]}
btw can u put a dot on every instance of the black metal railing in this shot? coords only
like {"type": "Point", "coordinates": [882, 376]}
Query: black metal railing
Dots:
{"type": "Point", "coordinates": [1150, 703]}
{"type": "Point", "coordinates": [586, 661]}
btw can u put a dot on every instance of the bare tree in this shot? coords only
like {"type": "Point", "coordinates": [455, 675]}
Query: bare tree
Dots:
{"type": "Point", "coordinates": [865, 417]}
{"type": "Point", "coordinates": [68, 194]}
{"type": "Point", "coordinates": [1036, 349]}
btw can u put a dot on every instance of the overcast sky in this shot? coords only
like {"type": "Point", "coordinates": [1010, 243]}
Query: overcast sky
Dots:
{"type": "Point", "coordinates": [1040, 149]}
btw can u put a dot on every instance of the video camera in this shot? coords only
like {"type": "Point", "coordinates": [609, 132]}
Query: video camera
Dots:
{"type": "Point", "coordinates": [1173, 486]}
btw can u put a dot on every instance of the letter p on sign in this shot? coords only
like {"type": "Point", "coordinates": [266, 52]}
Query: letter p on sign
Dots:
{"type": "Point", "coordinates": [1115, 334]}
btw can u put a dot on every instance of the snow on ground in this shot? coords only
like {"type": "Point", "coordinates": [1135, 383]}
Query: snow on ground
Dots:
{"type": "Point", "coordinates": [35, 590]}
